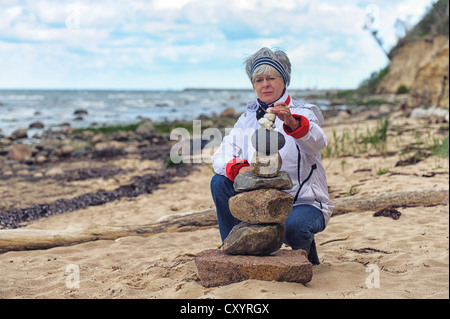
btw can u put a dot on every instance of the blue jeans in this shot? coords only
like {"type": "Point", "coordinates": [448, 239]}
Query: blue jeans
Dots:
{"type": "Point", "coordinates": [301, 225]}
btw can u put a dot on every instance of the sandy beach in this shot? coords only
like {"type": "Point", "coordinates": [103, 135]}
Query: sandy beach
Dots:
{"type": "Point", "coordinates": [410, 255]}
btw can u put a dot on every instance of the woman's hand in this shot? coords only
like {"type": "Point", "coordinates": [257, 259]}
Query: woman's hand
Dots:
{"type": "Point", "coordinates": [244, 169]}
{"type": "Point", "coordinates": [283, 112]}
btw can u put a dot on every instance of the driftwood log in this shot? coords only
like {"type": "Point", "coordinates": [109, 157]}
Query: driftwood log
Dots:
{"type": "Point", "coordinates": [27, 239]}
{"type": "Point", "coordinates": [420, 197]}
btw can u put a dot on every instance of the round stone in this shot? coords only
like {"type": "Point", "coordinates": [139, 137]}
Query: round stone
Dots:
{"type": "Point", "coordinates": [267, 142]}
{"type": "Point", "coordinates": [248, 239]}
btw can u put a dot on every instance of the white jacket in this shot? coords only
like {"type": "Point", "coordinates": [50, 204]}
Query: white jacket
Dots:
{"type": "Point", "coordinates": [300, 157]}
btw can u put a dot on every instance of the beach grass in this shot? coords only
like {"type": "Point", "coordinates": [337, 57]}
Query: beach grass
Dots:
{"type": "Point", "coordinates": [108, 129]}
{"type": "Point", "coordinates": [358, 143]}
{"type": "Point", "coordinates": [162, 128]}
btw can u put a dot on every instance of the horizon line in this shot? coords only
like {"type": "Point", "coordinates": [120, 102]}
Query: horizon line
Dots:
{"type": "Point", "coordinates": [165, 89]}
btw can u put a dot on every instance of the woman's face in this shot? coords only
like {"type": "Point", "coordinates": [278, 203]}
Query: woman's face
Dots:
{"type": "Point", "coordinates": [268, 87]}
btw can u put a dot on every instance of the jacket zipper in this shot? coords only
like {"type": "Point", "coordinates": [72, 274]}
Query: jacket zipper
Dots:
{"type": "Point", "coordinates": [313, 167]}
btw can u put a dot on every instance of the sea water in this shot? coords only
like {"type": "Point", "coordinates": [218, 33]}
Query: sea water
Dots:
{"type": "Point", "coordinates": [20, 108]}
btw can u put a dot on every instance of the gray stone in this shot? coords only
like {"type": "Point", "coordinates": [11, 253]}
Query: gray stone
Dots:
{"type": "Point", "coordinates": [248, 181]}
{"type": "Point", "coordinates": [267, 141]}
{"type": "Point", "coordinates": [146, 127]}
{"type": "Point", "coordinates": [216, 268]}
{"type": "Point", "coordinates": [247, 239]}
{"type": "Point", "coordinates": [37, 125]}
{"type": "Point", "coordinates": [266, 165]}
{"type": "Point", "coordinates": [262, 206]}
{"type": "Point", "coordinates": [19, 134]}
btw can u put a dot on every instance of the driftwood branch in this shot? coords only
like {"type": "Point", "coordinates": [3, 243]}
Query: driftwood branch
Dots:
{"type": "Point", "coordinates": [420, 197]}
{"type": "Point", "coordinates": [25, 239]}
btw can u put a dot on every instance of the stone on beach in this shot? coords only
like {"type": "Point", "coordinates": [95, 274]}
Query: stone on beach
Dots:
{"type": "Point", "coordinates": [37, 125]}
{"type": "Point", "coordinates": [248, 181]}
{"type": "Point", "coordinates": [20, 153]}
{"type": "Point", "coordinates": [262, 206]}
{"type": "Point", "coordinates": [146, 127]}
{"type": "Point", "coordinates": [216, 268]}
{"type": "Point", "coordinates": [266, 165]}
{"type": "Point", "coordinates": [19, 134]}
{"type": "Point", "coordinates": [247, 239]}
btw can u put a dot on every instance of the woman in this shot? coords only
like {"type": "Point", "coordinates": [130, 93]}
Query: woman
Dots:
{"type": "Point", "coordinates": [269, 71]}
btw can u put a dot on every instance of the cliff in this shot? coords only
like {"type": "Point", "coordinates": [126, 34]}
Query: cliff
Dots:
{"type": "Point", "coordinates": [422, 66]}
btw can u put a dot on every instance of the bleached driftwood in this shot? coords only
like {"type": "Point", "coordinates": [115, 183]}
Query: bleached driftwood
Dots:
{"type": "Point", "coordinates": [420, 197]}
{"type": "Point", "coordinates": [26, 239]}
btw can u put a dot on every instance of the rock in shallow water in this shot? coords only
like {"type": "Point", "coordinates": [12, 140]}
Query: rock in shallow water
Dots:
{"type": "Point", "coordinates": [248, 181]}
{"type": "Point", "coordinates": [247, 239]}
{"type": "Point", "coordinates": [216, 268]}
{"type": "Point", "coordinates": [262, 206]}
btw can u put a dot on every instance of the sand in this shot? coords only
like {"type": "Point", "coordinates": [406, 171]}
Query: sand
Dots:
{"type": "Point", "coordinates": [373, 257]}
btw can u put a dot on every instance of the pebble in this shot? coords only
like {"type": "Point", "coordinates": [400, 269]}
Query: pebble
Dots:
{"type": "Point", "coordinates": [270, 116]}
{"type": "Point", "coordinates": [54, 171]}
{"type": "Point", "coordinates": [266, 123]}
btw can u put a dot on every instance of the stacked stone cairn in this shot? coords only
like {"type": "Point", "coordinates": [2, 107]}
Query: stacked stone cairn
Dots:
{"type": "Point", "coordinates": [252, 249]}
{"type": "Point", "coordinates": [261, 205]}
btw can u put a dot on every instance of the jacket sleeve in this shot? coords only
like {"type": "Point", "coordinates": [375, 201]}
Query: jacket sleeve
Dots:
{"type": "Point", "coordinates": [231, 148]}
{"type": "Point", "coordinates": [309, 135]}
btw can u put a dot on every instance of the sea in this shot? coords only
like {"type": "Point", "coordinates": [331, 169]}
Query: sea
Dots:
{"type": "Point", "coordinates": [95, 108]}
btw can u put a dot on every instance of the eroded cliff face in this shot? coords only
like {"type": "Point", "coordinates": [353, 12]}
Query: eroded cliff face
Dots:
{"type": "Point", "coordinates": [421, 66]}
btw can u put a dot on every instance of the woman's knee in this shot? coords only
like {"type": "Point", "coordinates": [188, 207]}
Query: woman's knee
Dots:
{"type": "Point", "coordinates": [221, 185]}
{"type": "Point", "coordinates": [298, 236]}
{"type": "Point", "coordinates": [301, 227]}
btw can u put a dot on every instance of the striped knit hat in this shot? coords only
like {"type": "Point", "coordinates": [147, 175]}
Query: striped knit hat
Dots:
{"type": "Point", "coordinates": [273, 63]}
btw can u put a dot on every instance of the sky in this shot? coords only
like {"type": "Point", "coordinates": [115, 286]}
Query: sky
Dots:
{"type": "Point", "coordinates": [177, 44]}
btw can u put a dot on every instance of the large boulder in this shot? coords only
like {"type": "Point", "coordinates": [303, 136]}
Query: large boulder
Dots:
{"type": "Point", "coordinates": [262, 206]}
{"type": "Point", "coordinates": [216, 268]}
{"type": "Point", "coordinates": [247, 239]}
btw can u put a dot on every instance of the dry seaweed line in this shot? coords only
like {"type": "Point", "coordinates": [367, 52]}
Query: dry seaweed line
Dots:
{"type": "Point", "coordinates": [141, 185]}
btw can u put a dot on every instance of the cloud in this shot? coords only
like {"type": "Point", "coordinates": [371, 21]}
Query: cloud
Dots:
{"type": "Point", "coordinates": [185, 41]}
